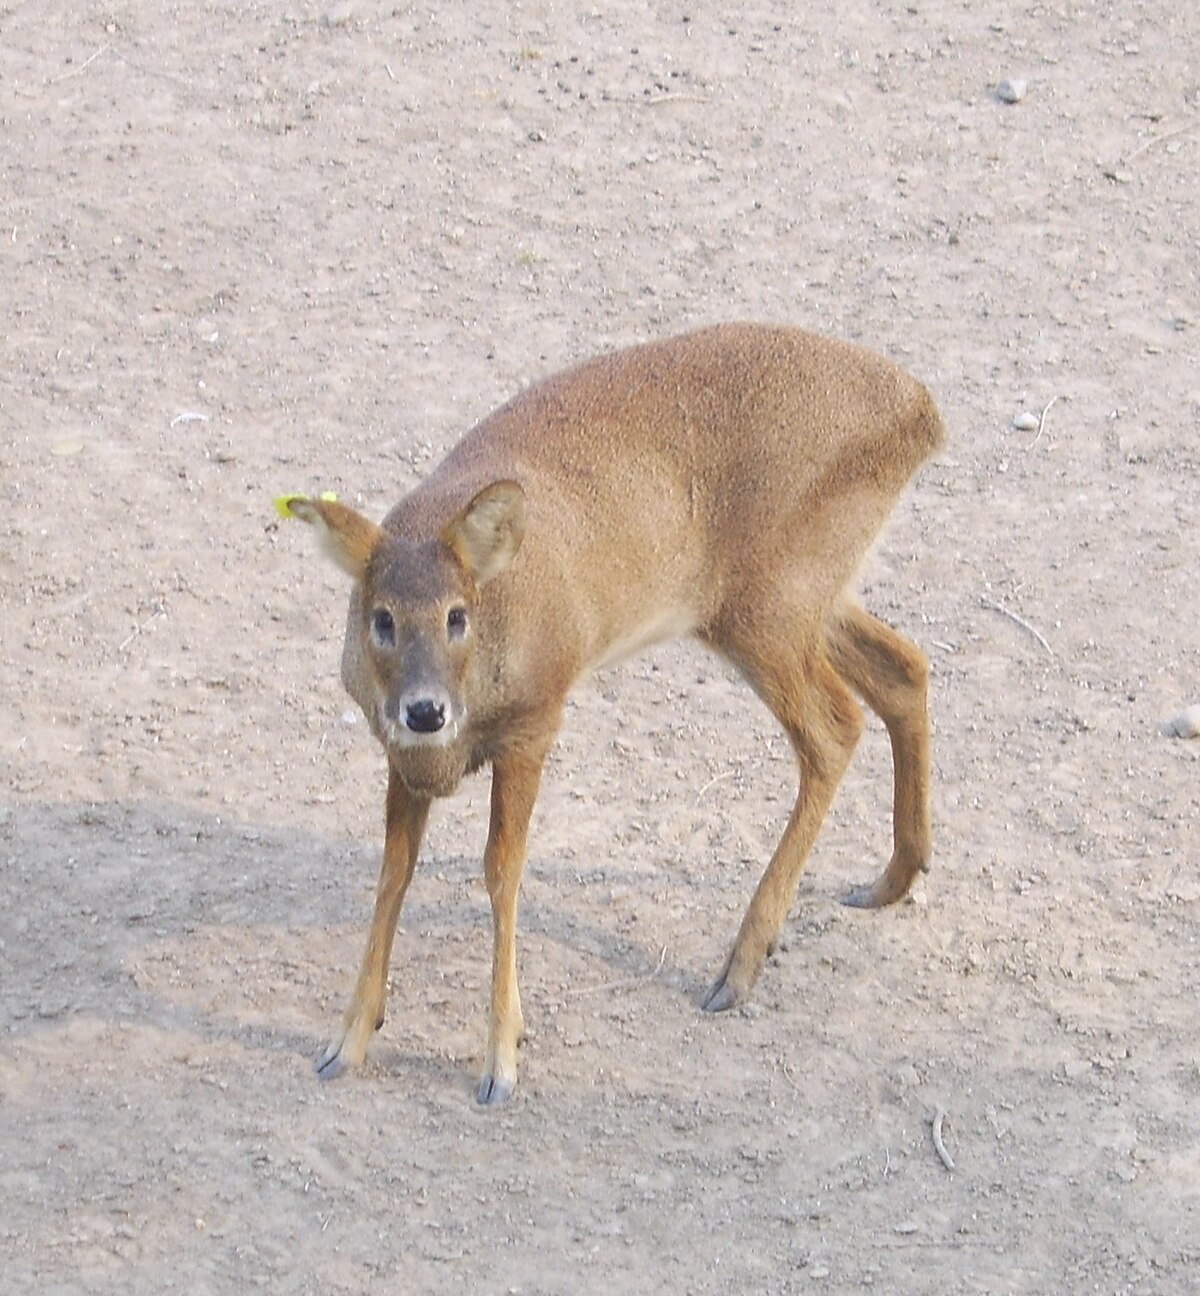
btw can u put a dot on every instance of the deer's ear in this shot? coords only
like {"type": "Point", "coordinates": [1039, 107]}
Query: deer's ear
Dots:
{"type": "Point", "coordinates": [486, 535]}
{"type": "Point", "coordinates": [346, 536]}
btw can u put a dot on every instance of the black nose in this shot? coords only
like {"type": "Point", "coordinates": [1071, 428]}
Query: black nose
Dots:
{"type": "Point", "coordinates": [425, 716]}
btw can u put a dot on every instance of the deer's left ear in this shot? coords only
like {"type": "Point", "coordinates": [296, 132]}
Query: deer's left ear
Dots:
{"type": "Point", "coordinates": [346, 536]}
{"type": "Point", "coordinates": [486, 535]}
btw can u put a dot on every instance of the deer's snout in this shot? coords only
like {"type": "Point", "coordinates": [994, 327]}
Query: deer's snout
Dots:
{"type": "Point", "coordinates": [419, 718]}
{"type": "Point", "coordinates": [425, 716]}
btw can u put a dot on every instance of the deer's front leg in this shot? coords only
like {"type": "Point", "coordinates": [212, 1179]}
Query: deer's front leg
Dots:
{"type": "Point", "coordinates": [515, 781]}
{"type": "Point", "coordinates": [406, 816]}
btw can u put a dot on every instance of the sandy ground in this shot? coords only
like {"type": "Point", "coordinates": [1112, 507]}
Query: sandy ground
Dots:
{"type": "Point", "coordinates": [244, 250]}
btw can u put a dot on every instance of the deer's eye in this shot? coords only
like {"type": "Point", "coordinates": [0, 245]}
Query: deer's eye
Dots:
{"type": "Point", "coordinates": [383, 628]}
{"type": "Point", "coordinates": [456, 622]}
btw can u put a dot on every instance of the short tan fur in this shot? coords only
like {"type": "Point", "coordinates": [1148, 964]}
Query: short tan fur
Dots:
{"type": "Point", "coordinates": [724, 484]}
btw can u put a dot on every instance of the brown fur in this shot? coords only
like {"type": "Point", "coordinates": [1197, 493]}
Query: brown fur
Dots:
{"type": "Point", "coordinates": [725, 484]}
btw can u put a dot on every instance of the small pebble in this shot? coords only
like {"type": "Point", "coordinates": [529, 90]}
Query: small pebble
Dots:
{"type": "Point", "coordinates": [1026, 422]}
{"type": "Point", "coordinates": [1011, 91]}
{"type": "Point", "coordinates": [338, 15]}
{"type": "Point", "coordinates": [1184, 725]}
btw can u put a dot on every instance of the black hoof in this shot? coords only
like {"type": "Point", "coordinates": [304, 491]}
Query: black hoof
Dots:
{"type": "Point", "coordinates": [329, 1066]}
{"type": "Point", "coordinates": [493, 1090]}
{"type": "Point", "coordinates": [721, 997]}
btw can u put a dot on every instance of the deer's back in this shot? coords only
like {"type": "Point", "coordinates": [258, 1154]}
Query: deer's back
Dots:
{"type": "Point", "coordinates": [740, 416]}
{"type": "Point", "coordinates": [660, 476]}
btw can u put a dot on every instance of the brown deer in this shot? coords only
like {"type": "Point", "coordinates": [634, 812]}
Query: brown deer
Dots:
{"type": "Point", "coordinates": [725, 484]}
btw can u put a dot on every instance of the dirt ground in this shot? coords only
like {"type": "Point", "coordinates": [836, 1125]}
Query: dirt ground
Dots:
{"type": "Point", "coordinates": [251, 248]}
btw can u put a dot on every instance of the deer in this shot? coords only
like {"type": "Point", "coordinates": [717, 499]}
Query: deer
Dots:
{"type": "Point", "coordinates": [727, 485]}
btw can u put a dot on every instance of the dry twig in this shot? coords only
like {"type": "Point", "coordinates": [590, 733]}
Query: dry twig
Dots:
{"type": "Point", "coordinates": [161, 610]}
{"type": "Point", "coordinates": [81, 69]}
{"type": "Point", "coordinates": [1042, 423]}
{"type": "Point", "coordinates": [902, 1243]}
{"type": "Point", "coordinates": [787, 1075]}
{"type": "Point", "coordinates": [654, 100]}
{"type": "Point", "coordinates": [626, 983]}
{"type": "Point", "coordinates": [1162, 139]}
{"type": "Point", "coordinates": [716, 778]}
{"type": "Point", "coordinates": [939, 1145]}
{"type": "Point", "coordinates": [1020, 620]}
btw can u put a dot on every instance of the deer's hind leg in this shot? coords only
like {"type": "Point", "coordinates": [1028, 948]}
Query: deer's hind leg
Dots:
{"type": "Point", "coordinates": [797, 681]}
{"type": "Point", "coordinates": [892, 676]}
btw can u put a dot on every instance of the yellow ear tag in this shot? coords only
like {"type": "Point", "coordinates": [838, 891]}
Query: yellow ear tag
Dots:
{"type": "Point", "coordinates": [283, 503]}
